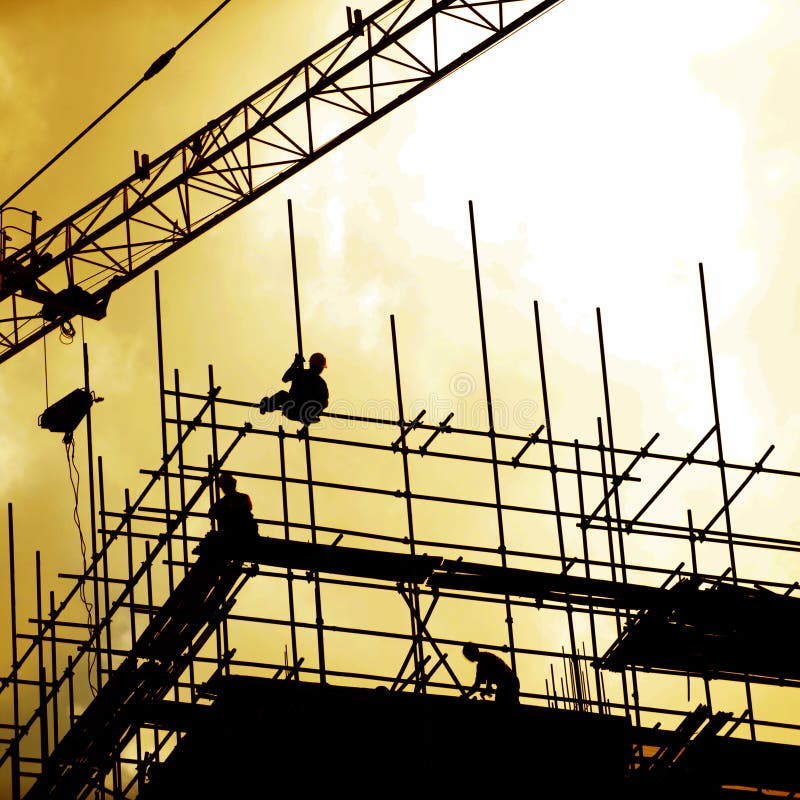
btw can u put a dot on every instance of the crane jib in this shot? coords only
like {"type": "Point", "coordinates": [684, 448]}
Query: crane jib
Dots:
{"type": "Point", "coordinates": [377, 64]}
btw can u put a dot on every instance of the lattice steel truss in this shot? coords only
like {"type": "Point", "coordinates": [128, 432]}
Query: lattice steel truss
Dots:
{"type": "Point", "coordinates": [379, 63]}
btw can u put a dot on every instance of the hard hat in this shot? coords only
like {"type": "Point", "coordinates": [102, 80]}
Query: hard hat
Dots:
{"type": "Point", "coordinates": [318, 360]}
{"type": "Point", "coordinates": [226, 479]}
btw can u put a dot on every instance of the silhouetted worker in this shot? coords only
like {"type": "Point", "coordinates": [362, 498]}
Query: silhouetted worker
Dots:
{"type": "Point", "coordinates": [490, 670]}
{"type": "Point", "coordinates": [308, 394]}
{"type": "Point", "coordinates": [233, 511]}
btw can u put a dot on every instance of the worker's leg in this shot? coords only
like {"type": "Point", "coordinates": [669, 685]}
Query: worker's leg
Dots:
{"type": "Point", "coordinates": [274, 402]}
{"type": "Point", "coordinates": [309, 411]}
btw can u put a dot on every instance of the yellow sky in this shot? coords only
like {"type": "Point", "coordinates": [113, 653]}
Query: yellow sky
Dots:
{"type": "Point", "coordinates": [608, 149]}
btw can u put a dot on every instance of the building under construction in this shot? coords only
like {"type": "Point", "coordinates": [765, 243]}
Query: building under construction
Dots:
{"type": "Point", "coordinates": [324, 653]}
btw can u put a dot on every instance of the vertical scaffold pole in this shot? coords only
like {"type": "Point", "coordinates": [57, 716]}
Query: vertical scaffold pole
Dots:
{"type": "Point", "coordinates": [416, 634]}
{"type": "Point", "coordinates": [163, 410]}
{"type": "Point", "coordinates": [182, 498]}
{"type": "Point", "coordinates": [54, 664]}
{"type": "Point", "coordinates": [722, 475]}
{"type": "Point", "coordinates": [15, 762]}
{"type": "Point", "coordinates": [612, 558]}
{"type": "Point", "coordinates": [717, 428]}
{"type": "Point", "coordinates": [587, 568]}
{"type": "Point", "coordinates": [615, 493]}
{"type": "Point", "coordinates": [554, 476]}
{"type": "Point", "coordinates": [43, 727]}
{"type": "Point", "coordinates": [293, 251]}
{"type": "Point", "coordinates": [95, 564]}
{"type": "Point", "coordinates": [320, 622]}
{"type": "Point", "coordinates": [287, 537]}
{"type": "Point", "coordinates": [492, 441]}
{"type": "Point", "coordinates": [104, 544]}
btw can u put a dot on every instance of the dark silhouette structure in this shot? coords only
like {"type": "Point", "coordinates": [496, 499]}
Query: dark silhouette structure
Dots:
{"type": "Point", "coordinates": [308, 395]}
{"type": "Point", "coordinates": [372, 744]}
{"type": "Point", "coordinates": [186, 665]}
{"type": "Point", "coordinates": [492, 676]}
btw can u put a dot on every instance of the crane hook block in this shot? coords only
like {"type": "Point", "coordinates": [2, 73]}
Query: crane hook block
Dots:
{"type": "Point", "coordinates": [65, 414]}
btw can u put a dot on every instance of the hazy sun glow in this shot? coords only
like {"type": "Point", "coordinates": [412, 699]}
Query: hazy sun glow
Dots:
{"type": "Point", "coordinates": [608, 149]}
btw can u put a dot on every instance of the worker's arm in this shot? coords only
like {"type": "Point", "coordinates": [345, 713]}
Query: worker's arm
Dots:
{"type": "Point", "coordinates": [296, 366]}
{"type": "Point", "coordinates": [476, 684]}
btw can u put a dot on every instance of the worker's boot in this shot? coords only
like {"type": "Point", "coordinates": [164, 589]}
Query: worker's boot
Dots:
{"type": "Point", "coordinates": [266, 404]}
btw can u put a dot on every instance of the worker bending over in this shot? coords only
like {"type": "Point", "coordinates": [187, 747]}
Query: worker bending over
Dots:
{"type": "Point", "coordinates": [492, 671]}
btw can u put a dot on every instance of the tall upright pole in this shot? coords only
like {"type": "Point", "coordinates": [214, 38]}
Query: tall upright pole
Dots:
{"type": "Point", "coordinates": [615, 494]}
{"type": "Point", "coordinates": [44, 741]}
{"type": "Point", "coordinates": [554, 478]}
{"type": "Point", "coordinates": [492, 438]}
{"type": "Point", "coordinates": [95, 564]}
{"type": "Point", "coordinates": [163, 410]}
{"type": "Point", "coordinates": [722, 475]}
{"type": "Point", "coordinates": [15, 762]}
{"type": "Point", "coordinates": [416, 634]}
{"type": "Point", "coordinates": [320, 622]}
{"type": "Point", "coordinates": [587, 569]}
{"type": "Point", "coordinates": [287, 536]}
{"type": "Point", "coordinates": [293, 250]}
{"type": "Point", "coordinates": [717, 428]}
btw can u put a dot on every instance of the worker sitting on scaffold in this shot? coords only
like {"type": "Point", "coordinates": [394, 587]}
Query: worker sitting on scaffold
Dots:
{"type": "Point", "coordinates": [233, 511]}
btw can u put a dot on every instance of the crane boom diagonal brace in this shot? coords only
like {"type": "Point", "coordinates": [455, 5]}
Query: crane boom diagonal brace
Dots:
{"type": "Point", "coordinates": [378, 64]}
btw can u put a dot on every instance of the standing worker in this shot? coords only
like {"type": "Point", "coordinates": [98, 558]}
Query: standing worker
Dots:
{"type": "Point", "coordinates": [490, 670]}
{"type": "Point", "coordinates": [307, 395]}
{"type": "Point", "coordinates": [233, 511]}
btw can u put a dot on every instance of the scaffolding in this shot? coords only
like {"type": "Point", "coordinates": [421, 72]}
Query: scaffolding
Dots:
{"type": "Point", "coordinates": [569, 586]}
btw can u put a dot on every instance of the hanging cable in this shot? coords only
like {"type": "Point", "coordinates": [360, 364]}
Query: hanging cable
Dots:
{"type": "Point", "coordinates": [75, 481]}
{"type": "Point", "coordinates": [151, 72]}
{"type": "Point", "coordinates": [46, 389]}
{"type": "Point", "coordinates": [66, 332]}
